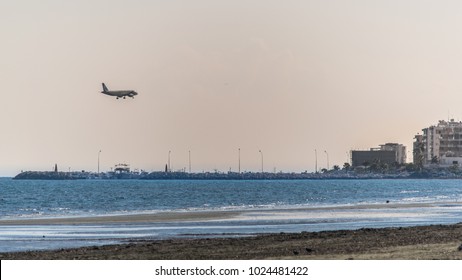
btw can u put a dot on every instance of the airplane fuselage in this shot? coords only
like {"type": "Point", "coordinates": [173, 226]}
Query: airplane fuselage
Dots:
{"type": "Point", "coordinates": [119, 93]}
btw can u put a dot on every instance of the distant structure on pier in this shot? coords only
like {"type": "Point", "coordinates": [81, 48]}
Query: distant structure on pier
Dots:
{"type": "Point", "coordinates": [122, 168]}
{"type": "Point", "coordinates": [389, 153]}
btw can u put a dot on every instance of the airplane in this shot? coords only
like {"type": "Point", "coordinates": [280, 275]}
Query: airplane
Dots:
{"type": "Point", "coordinates": [119, 93]}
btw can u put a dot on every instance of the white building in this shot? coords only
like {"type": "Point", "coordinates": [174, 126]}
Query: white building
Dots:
{"type": "Point", "coordinates": [441, 143]}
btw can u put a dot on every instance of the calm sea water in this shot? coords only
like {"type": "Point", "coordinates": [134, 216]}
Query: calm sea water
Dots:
{"type": "Point", "coordinates": [287, 201]}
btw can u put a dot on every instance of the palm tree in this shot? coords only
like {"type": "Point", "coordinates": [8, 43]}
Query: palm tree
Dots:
{"type": "Point", "coordinates": [346, 166]}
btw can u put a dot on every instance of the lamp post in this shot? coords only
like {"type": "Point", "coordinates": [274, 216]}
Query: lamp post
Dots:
{"type": "Point", "coordinates": [327, 155]}
{"type": "Point", "coordinates": [261, 160]}
{"type": "Point", "coordinates": [98, 159]}
{"type": "Point", "coordinates": [239, 161]}
{"type": "Point", "coordinates": [315, 161]}
{"type": "Point", "coordinates": [189, 161]}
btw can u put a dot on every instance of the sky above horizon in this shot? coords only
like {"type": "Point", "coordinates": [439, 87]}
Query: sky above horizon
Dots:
{"type": "Point", "coordinates": [284, 77]}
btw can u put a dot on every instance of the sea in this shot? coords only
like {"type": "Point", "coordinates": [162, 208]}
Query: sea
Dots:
{"type": "Point", "coordinates": [263, 206]}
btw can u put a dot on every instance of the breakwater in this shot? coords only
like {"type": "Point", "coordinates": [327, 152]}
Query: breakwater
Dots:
{"type": "Point", "coordinates": [50, 175]}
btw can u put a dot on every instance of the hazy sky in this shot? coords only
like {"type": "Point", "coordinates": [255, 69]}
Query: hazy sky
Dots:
{"type": "Point", "coordinates": [284, 77]}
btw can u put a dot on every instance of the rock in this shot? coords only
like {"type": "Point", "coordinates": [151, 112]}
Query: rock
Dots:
{"type": "Point", "coordinates": [460, 248]}
{"type": "Point", "coordinates": [309, 250]}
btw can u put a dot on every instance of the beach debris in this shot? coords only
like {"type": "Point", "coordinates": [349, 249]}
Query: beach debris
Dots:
{"type": "Point", "coordinates": [296, 252]}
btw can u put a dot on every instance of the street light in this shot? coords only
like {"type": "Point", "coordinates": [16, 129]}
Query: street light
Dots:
{"type": "Point", "coordinates": [327, 154]}
{"type": "Point", "coordinates": [189, 161]}
{"type": "Point", "coordinates": [98, 159]}
{"type": "Point", "coordinates": [261, 160]}
{"type": "Point", "coordinates": [316, 161]}
{"type": "Point", "coordinates": [239, 159]}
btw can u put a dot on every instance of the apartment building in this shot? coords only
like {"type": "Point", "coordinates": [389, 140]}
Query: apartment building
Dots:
{"type": "Point", "coordinates": [439, 144]}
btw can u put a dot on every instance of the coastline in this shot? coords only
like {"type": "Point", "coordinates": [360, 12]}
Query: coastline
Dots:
{"type": "Point", "coordinates": [205, 215]}
{"type": "Point", "coordinates": [402, 243]}
{"type": "Point", "coordinates": [319, 232]}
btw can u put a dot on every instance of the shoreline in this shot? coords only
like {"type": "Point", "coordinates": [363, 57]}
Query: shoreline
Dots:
{"type": "Point", "coordinates": [123, 218]}
{"type": "Point", "coordinates": [402, 243]}
{"type": "Point", "coordinates": [433, 240]}
{"type": "Point", "coordinates": [200, 215]}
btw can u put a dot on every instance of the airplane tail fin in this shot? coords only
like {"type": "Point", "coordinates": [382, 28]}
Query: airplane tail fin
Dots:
{"type": "Point", "coordinates": [105, 88]}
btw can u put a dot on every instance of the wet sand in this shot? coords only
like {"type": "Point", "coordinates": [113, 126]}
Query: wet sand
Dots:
{"type": "Point", "coordinates": [194, 215]}
{"type": "Point", "coordinates": [131, 218]}
{"type": "Point", "coordinates": [407, 243]}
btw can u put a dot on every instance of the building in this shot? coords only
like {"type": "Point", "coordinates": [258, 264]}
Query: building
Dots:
{"type": "Point", "coordinates": [439, 144]}
{"type": "Point", "coordinates": [399, 149]}
{"type": "Point", "coordinates": [389, 153]}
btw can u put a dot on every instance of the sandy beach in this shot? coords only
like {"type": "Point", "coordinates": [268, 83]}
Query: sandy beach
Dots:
{"type": "Point", "coordinates": [406, 243]}
{"type": "Point", "coordinates": [403, 243]}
